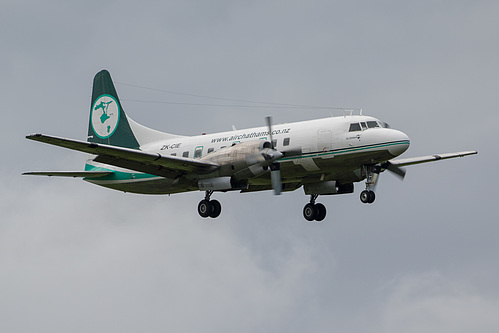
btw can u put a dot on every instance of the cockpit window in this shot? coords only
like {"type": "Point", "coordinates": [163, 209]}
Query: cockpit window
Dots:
{"type": "Point", "coordinates": [362, 126]}
{"type": "Point", "coordinates": [355, 127]}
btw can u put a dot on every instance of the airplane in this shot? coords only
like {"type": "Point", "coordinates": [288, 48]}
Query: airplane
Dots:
{"type": "Point", "coordinates": [324, 156]}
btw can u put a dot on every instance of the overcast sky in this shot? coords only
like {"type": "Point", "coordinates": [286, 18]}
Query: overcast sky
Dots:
{"type": "Point", "coordinates": [423, 258]}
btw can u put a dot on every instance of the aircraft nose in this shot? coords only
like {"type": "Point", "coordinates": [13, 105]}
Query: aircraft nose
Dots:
{"type": "Point", "coordinates": [399, 142]}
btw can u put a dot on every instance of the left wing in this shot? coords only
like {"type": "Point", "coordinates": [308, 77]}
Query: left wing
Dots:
{"type": "Point", "coordinates": [395, 166]}
{"type": "Point", "coordinates": [431, 158]}
{"type": "Point", "coordinates": [154, 164]}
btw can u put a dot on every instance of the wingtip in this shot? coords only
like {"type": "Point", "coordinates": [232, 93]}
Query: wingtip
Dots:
{"type": "Point", "coordinates": [472, 152]}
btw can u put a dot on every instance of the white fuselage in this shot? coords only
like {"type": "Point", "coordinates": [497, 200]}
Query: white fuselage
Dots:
{"type": "Point", "coordinates": [332, 148]}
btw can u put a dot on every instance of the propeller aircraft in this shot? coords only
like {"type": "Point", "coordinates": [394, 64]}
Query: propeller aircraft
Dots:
{"type": "Point", "coordinates": [324, 156]}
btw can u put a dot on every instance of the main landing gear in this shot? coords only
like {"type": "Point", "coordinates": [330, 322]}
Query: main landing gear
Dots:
{"type": "Point", "coordinates": [209, 208]}
{"type": "Point", "coordinates": [367, 196]}
{"type": "Point", "coordinates": [313, 211]}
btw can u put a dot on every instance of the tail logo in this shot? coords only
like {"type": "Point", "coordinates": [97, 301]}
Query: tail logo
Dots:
{"type": "Point", "coordinates": [105, 116]}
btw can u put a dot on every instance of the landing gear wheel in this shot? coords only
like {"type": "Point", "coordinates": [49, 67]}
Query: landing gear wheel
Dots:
{"type": "Point", "coordinates": [367, 196]}
{"type": "Point", "coordinates": [216, 208]}
{"type": "Point", "coordinates": [320, 212]}
{"type": "Point", "coordinates": [205, 208]}
{"type": "Point", "coordinates": [314, 212]}
{"type": "Point", "coordinates": [309, 212]}
{"type": "Point", "coordinates": [372, 197]}
{"type": "Point", "coordinates": [364, 196]}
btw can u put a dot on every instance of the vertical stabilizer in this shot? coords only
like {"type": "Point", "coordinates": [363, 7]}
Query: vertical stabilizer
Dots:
{"type": "Point", "coordinates": [108, 122]}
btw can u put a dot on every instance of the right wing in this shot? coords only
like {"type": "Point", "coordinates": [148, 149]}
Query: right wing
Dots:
{"type": "Point", "coordinates": [154, 164]}
{"type": "Point", "coordinates": [74, 174]}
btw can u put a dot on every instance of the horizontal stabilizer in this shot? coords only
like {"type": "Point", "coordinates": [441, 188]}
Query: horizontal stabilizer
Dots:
{"type": "Point", "coordinates": [431, 158]}
{"type": "Point", "coordinates": [74, 174]}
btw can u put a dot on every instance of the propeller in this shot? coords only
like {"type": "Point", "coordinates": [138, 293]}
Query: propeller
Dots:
{"type": "Point", "coordinates": [275, 168]}
{"type": "Point", "coordinates": [396, 170]}
{"type": "Point", "coordinates": [373, 173]}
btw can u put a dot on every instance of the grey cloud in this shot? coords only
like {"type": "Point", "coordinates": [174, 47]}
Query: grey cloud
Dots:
{"type": "Point", "coordinates": [78, 257]}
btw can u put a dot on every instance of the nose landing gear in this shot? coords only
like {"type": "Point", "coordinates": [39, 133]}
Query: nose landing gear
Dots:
{"type": "Point", "coordinates": [313, 211]}
{"type": "Point", "coordinates": [372, 171]}
{"type": "Point", "coordinates": [209, 208]}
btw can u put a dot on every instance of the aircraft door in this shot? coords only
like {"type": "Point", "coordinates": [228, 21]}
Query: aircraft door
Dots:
{"type": "Point", "coordinates": [198, 152]}
{"type": "Point", "coordinates": [324, 139]}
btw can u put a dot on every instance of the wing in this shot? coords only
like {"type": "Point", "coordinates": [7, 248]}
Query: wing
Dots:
{"type": "Point", "coordinates": [151, 163]}
{"type": "Point", "coordinates": [395, 166]}
{"type": "Point", "coordinates": [430, 158]}
{"type": "Point", "coordinates": [74, 174]}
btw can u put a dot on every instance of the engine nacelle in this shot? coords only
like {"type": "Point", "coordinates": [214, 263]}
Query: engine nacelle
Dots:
{"type": "Point", "coordinates": [244, 160]}
{"type": "Point", "coordinates": [221, 184]}
{"type": "Point", "coordinates": [215, 184]}
{"type": "Point", "coordinates": [328, 187]}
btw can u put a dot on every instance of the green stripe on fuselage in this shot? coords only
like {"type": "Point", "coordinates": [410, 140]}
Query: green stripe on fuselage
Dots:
{"type": "Point", "coordinates": [344, 150]}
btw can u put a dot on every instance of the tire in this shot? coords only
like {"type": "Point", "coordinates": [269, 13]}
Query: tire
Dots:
{"type": "Point", "coordinates": [205, 208]}
{"type": "Point", "coordinates": [320, 212]}
{"type": "Point", "coordinates": [364, 196]}
{"type": "Point", "coordinates": [372, 197]}
{"type": "Point", "coordinates": [216, 208]}
{"type": "Point", "coordinates": [309, 212]}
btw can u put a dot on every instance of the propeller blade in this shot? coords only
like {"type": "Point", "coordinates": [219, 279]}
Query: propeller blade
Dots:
{"type": "Point", "coordinates": [398, 171]}
{"type": "Point", "coordinates": [374, 181]}
{"type": "Point", "coordinates": [269, 125]}
{"type": "Point", "coordinates": [272, 156]}
{"type": "Point", "coordinates": [275, 176]}
{"type": "Point", "coordinates": [275, 168]}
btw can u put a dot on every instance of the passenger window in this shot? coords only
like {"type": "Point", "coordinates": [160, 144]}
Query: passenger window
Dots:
{"type": "Point", "coordinates": [210, 150]}
{"type": "Point", "coordinates": [173, 154]}
{"type": "Point", "coordinates": [198, 152]}
{"type": "Point", "coordinates": [372, 124]}
{"type": "Point", "coordinates": [185, 154]}
{"type": "Point", "coordinates": [285, 142]}
{"type": "Point", "coordinates": [274, 143]}
{"type": "Point", "coordinates": [354, 127]}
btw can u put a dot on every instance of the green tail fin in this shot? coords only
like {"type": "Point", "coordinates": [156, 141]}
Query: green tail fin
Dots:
{"type": "Point", "coordinates": [108, 122]}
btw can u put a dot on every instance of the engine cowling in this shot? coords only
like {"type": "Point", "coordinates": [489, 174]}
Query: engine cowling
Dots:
{"type": "Point", "coordinates": [328, 187]}
{"type": "Point", "coordinates": [244, 160]}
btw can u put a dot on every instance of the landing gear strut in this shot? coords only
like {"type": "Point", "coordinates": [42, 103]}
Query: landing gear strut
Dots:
{"type": "Point", "coordinates": [313, 211]}
{"type": "Point", "coordinates": [209, 208]}
{"type": "Point", "coordinates": [368, 196]}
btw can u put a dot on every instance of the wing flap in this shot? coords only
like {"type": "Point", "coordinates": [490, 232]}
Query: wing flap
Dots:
{"type": "Point", "coordinates": [152, 163]}
{"type": "Point", "coordinates": [151, 168]}
{"type": "Point", "coordinates": [430, 158]}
